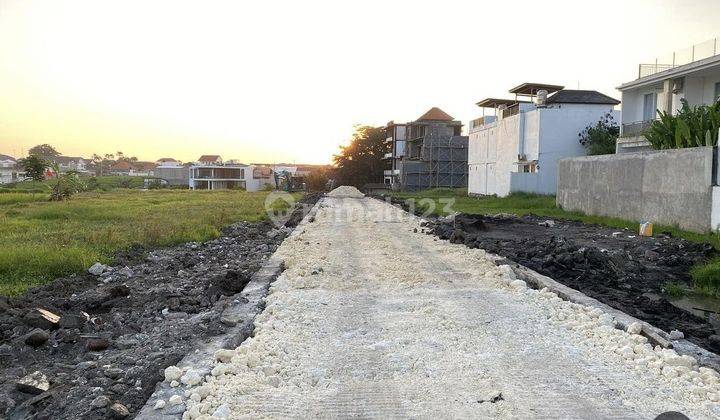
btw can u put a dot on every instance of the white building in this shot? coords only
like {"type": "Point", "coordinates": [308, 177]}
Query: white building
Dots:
{"type": "Point", "coordinates": [229, 176]}
{"type": "Point", "coordinates": [9, 171]}
{"type": "Point", "coordinates": [518, 148]}
{"type": "Point", "coordinates": [692, 74]}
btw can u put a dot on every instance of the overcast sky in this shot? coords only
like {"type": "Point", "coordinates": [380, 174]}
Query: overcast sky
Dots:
{"type": "Point", "coordinates": [276, 81]}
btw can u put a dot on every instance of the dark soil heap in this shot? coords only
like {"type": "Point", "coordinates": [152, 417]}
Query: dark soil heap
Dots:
{"type": "Point", "coordinates": [118, 330]}
{"type": "Point", "coordinates": [620, 269]}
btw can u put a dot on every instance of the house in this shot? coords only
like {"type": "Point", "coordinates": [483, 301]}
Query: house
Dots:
{"type": "Point", "coordinates": [72, 163]}
{"type": "Point", "coordinates": [167, 162]}
{"type": "Point", "coordinates": [427, 153]}
{"type": "Point", "coordinates": [258, 177]}
{"type": "Point", "coordinates": [517, 147]}
{"type": "Point", "coordinates": [692, 74]}
{"type": "Point", "coordinates": [395, 141]}
{"type": "Point", "coordinates": [142, 169]}
{"type": "Point", "coordinates": [209, 173]}
{"type": "Point", "coordinates": [174, 174]}
{"type": "Point", "coordinates": [210, 160]}
{"type": "Point", "coordinates": [9, 171]}
{"type": "Point", "coordinates": [121, 167]}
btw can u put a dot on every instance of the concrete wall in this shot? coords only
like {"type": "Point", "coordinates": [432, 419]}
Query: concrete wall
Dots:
{"type": "Point", "coordinates": [673, 187]}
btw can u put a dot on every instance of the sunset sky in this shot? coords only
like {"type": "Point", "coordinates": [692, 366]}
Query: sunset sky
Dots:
{"type": "Point", "coordinates": [286, 81]}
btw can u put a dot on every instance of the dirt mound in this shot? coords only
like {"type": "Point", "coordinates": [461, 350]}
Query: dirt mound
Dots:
{"type": "Point", "coordinates": [619, 268]}
{"type": "Point", "coordinates": [346, 192]}
{"type": "Point", "coordinates": [119, 329]}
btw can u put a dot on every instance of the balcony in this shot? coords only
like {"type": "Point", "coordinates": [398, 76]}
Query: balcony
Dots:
{"type": "Point", "coordinates": [635, 129]}
{"type": "Point", "coordinates": [689, 55]}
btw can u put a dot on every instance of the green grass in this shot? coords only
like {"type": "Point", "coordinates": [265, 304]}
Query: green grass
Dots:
{"type": "Point", "coordinates": [706, 277]}
{"type": "Point", "coordinates": [42, 240]}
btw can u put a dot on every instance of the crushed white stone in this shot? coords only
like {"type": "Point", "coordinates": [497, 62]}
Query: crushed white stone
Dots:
{"type": "Point", "coordinates": [173, 373]}
{"type": "Point", "coordinates": [346, 192]}
{"type": "Point", "coordinates": [401, 325]}
{"type": "Point", "coordinates": [634, 328]}
{"type": "Point", "coordinates": [159, 404]}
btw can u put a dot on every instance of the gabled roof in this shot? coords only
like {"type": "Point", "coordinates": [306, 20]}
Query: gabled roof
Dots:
{"type": "Point", "coordinates": [166, 160]}
{"type": "Point", "coordinates": [435, 114]}
{"type": "Point", "coordinates": [209, 158]}
{"type": "Point", "coordinates": [581, 97]}
{"type": "Point", "coordinates": [121, 165]}
{"type": "Point", "coordinates": [144, 165]}
{"type": "Point", "coordinates": [533, 88]}
{"type": "Point", "coordinates": [6, 157]}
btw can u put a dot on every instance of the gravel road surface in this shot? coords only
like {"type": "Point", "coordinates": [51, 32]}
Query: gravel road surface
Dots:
{"type": "Point", "coordinates": [373, 318]}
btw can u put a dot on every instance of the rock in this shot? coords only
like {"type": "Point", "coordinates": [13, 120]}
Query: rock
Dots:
{"type": "Point", "coordinates": [617, 234]}
{"type": "Point", "coordinates": [222, 412]}
{"type": "Point", "coordinates": [175, 400]}
{"type": "Point", "coordinates": [100, 402]}
{"type": "Point", "coordinates": [97, 269]}
{"type": "Point", "coordinates": [40, 318]}
{"type": "Point", "coordinates": [127, 272]}
{"type": "Point", "coordinates": [119, 411]}
{"type": "Point", "coordinates": [224, 356]}
{"type": "Point", "coordinates": [113, 373]}
{"type": "Point", "coordinates": [518, 284]}
{"type": "Point", "coordinates": [651, 255]}
{"type": "Point", "coordinates": [634, 328]}
{"type": "Point", "coordinates": [71, 321]}
{"type": "Point", "coordinates": [159, 404]}
{"type": "Point", "coordinates": [676, 335]}
{"type": "Point", "coordinates": [34, 383]}
{"type": "Point", "coordinates": [173, 373]}
{"type": "Point", "coordinates": [547, 223]}
{"type": "Point", "coordinates": [97, 344]}
{"type": "Point", "coordinates": [36, 337]}
{"type": "Point", "coordinates": [191, 378]}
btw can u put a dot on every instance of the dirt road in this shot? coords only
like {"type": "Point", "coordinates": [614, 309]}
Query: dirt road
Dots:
{"type": "Point", "coordinates": [373, 318]}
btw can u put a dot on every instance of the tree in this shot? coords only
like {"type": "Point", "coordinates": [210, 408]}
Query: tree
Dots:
{"type": "Point", "coordinates": [318, 179]}
{"type": "Point", "coordinates": [34, 167]}
{"type": "Point", "coordinates": [600, 139]}
{"type": "Point", "coordinates": [361, 162]}
{"type": "Point", "coordinates": [65, 185]}
{"type": "Point", "coordinates": [45, 151]}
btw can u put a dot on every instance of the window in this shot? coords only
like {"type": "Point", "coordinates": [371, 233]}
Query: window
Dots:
{"type": "Point", "coordinates": [649, 106]}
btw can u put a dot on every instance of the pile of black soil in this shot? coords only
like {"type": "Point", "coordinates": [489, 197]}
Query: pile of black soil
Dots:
{"type": "Point", "coordinates": [120, 327]}
{"type": "Point", "coordinates": [616, 267]}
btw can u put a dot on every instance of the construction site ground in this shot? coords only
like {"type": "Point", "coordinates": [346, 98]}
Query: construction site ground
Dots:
{"type": "Point", "coordinates": [374, 318]}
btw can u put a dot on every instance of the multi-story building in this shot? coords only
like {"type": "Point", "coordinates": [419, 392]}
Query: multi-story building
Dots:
{"type": "Point", "coordinates": [429, 152]}
{"type": "Point", "coordinates": [72, 163]}
{"type": "Point", "coordinates": [692, 75]}
{"type": "Point", "coordinates": [395, 142]}
{"type": "Point", "coordinates": [518, 147]}
{"type": "Point", "coordinates": [9, 171]}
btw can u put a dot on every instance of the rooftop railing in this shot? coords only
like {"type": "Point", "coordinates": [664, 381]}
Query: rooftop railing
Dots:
{"type": "Point", "coordinates": [688, 55]}
{"type": "Point", "coordinates": [635, 129]}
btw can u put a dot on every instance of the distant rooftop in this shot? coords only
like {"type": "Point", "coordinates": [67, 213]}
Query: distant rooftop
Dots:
{"type": "Point", "coordinates": [6, 157]}
{"type": "Point", "coordinates": [435, 114]}
{"type": "Point", "coordinates": [581, 97]}
{"type": "Point", "coordinates": [496, 102]}
{"type": "Point", "coordinates": [533, 88]}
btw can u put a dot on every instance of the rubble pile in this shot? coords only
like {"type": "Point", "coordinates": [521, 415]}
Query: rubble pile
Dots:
{"type": "Point", "coordinates": [94, 345]}
{"type": "Point", "coordinates": [619, 268]}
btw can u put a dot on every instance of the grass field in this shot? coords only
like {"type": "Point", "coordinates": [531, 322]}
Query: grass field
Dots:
{"type": "Point", "coordinates": [41, 240]}
{"type": "Point", "coordinates": [705, 276]}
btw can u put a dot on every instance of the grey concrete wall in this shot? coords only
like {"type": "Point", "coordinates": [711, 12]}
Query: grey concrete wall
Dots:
{"type": "Point", "coordinates": [671, 187]}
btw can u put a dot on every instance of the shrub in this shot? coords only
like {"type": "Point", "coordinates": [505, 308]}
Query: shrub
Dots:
{"type": "Point", "coordinates": [693, 126]}
{"type": "Point", "coordinates": [600, 139]}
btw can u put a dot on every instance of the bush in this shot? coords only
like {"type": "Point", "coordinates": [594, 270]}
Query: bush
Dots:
{"type": "Point", "coordinates": [691, 127]}
{"type": "Point", "coordinates": [600, 139]}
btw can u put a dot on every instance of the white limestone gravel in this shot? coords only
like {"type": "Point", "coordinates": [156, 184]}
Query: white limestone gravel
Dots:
{"type": "Point", "coordinates": [346, 192]}
{"type": "Point", "coordinates": [398, 324]}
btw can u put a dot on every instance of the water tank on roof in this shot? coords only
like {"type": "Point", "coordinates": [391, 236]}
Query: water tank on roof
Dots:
{"type": "Point", "coordinates": [541, 99]}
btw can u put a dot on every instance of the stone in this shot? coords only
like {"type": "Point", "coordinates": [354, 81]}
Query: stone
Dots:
{"type": "Point", "coordinates": [159, 404]}
{"type": "Point", "coordinates": [100, 402]}
{"type": "Point", "coordinates": [175, 400]}
{"type": "Point", "coordinates": [97, 344]}
{"type": "Point", "coordinates": [36, 337]}
{"type": "Point", "coordinates": [127, 272]}
{"type": "Point", "coordinates": [172, 373]}
{"type": "Point", "coordinates": [676, 335]}
{"type": "Point", "coordinates": [37, 319]}
{"type": "Point", "coordinates": [518, 284]}
{"type": "Point", "coordinates": [34, 383]}
{"type": "Point", "coordinates": [634, 328]}
{"type": "Point", "coordinates": [547, 223]}
{"type": "Point", "coordinates": [113, 373]}
{"type": "Point", "coordinates": [651, 255]}
{"type": "Point", "coordinates": [97, 269]}
{"type": "Point", "coordinates": [224, 355]}
{"type": "Point", "coordinates": [119, 411]}
{"type": "Point", "coordinates": [191, 378]}
{"type": "Point", "coordinates": [222, 412]}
